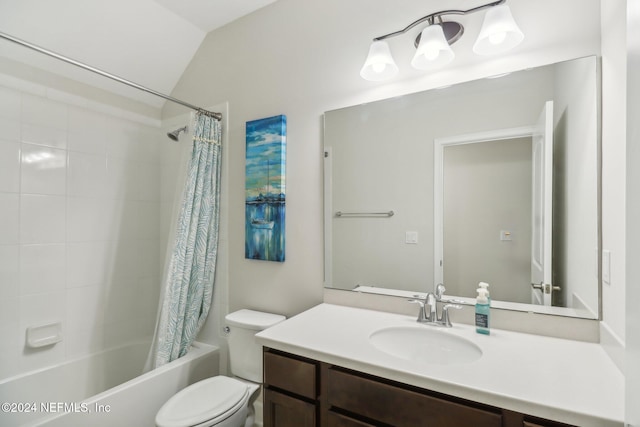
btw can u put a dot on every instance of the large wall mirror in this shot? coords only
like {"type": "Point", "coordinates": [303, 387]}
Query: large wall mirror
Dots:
{"type": "Point", "coordinates": [494, 180]}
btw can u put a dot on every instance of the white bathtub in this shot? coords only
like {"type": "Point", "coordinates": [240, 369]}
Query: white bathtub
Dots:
{"type": "Point", "coordinates": [103, 389]}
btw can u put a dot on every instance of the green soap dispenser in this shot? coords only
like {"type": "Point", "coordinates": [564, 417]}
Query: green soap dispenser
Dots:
{"type": "Point", "coordinates": [482, 312]}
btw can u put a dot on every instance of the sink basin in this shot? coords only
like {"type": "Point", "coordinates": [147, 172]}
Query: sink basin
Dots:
{"type": "Point", "coordinates": [425, 344]}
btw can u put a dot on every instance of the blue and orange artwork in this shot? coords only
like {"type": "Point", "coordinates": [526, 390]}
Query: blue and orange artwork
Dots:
{"type": "Point", "coordinates": [265, 189]}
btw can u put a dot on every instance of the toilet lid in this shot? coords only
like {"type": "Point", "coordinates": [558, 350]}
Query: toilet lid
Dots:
{"type": "Point", "coordinates": [202, 401]}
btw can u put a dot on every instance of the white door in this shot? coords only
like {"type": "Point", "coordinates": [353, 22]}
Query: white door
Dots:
{"type": "Point", "coordinates": [542, 181]}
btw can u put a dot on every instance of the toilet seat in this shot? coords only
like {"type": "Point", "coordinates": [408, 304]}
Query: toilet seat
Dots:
{"type": "Point", "coordinates": [208, 401]}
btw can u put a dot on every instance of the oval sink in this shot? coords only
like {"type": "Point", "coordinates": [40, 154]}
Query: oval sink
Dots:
{"type": "Point", "coordinates": [425, 344]}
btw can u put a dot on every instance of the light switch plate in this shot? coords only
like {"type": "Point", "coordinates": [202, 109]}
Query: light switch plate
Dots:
{"type": "Point", "coordinates": [411, 237]}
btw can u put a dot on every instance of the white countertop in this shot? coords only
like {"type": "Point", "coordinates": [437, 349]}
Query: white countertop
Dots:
{"type": "Point", "coordinates": [568, 381]}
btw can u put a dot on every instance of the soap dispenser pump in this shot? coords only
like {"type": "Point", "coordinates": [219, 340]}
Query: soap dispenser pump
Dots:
{"type": "Point", "coordinates": [485, 286]}
{"type": "Point", "coordinates": [482, 312]}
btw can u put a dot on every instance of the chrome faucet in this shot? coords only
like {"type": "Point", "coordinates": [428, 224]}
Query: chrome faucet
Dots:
{"type": "Point", "coordinates": [429, 308]}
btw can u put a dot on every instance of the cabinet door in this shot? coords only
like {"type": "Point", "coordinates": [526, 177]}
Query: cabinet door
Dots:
{"type": "Point", "coordinates": [281, 410]}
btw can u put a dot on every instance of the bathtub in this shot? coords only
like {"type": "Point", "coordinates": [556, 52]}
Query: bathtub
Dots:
{"type": "Point", "coordinates": [102, 389]}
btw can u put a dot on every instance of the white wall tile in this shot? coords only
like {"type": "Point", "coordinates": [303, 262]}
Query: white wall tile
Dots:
{"type": "Point", "coordinates": [10, 129]}
{"type": "Point", "coordinates": [9, 166]}
{"type": "Point", "coordinates": [78, 191]}
{"type": "Point", "coordinates": [87, 174]}
{"type": "Point", "coordinates": [10, 339]}
{"type": "Point", "coordinates": [88, 131]}
{"type": "Point", "coordinates": [9, 271]}
{"type": "Point", "coordinates": [43, 170]}
{"type": "Point", "coordinates": [83, 341]}
{"type": "Point", "coordinates": [148, 181]}
{"type": "Point", "coordinates": [10, 347]}
{"type": "Point", "coordinates": [123, 139]}
{"type": "Point", "coordinates": [36, 310]}
{"type": "Point", "coordinates": [127, 219]}
{"type": "Point", "coordinates": [87, 263]}
{"type": "Point", "coordinates": [10, 103]}
{"type": "Point", "coordinates": [149, 296]}
{"type": "Point", "coordinates": [44, 112]}
{"type": "Point", "coordinates": [149, 220]}
{"type": "Point", "coordinates": [9, 218]}
{"type": "Point", "coordinates": [42, 268]}
{"type": "Point", "coordinates": [42, 219]}
{"type": "Point", "coordinates": [149, 143]}
{"type": "Point", "coordinates": [87, 219]}
{"type": "Point", "coordinates": [43, 135]}
{"type": "Point", "coordinates": [121, 181]}
{"type": "Point", "coordinates": [120, 301]}
{"type": "Point", "coordinates": [124, 257]}
{"type": "Point", "coordinates": [149, 258]}
{"type": "Point", "coordinates": [85, 308]}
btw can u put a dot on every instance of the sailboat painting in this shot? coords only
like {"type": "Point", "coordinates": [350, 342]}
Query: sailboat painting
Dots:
{"type": "Point", "coordinates": [265, 199]}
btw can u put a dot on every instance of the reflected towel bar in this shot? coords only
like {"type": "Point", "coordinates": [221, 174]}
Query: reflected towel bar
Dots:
{"type": "Point", "coordinates": [341, 214]}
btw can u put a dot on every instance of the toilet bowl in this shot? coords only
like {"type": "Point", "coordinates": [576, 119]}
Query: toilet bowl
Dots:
{"type": "Point", "coordinates": [217, 401]}
{"type": "Point", "coordinates": [224, 401]}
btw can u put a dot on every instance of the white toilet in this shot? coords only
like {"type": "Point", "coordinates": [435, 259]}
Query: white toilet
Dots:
{"type": "Point", "coordinates": [224, 401]}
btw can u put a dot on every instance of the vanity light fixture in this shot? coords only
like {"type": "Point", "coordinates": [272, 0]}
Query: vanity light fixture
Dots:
{"type": "Point", "coordinates": [499, 33]}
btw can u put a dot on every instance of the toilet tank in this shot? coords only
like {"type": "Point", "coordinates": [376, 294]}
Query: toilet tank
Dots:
{"type": "Point", "coordinates": [244, 352]}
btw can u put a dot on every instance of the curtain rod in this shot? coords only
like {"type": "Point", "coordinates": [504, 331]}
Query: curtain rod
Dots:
{"type": "Point", "coordinates": [217, 116]}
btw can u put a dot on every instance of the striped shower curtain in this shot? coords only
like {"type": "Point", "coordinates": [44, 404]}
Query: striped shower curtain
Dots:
{"type": "Point", "coordinates": [191, 271]}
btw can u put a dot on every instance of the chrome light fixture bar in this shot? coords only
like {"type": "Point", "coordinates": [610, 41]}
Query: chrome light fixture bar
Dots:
{"type": "Point", "coordinates": [499, 33]}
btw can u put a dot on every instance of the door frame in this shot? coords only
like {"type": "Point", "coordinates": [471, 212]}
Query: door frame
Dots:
{"type": "Point", "coordinates": [439, 145]}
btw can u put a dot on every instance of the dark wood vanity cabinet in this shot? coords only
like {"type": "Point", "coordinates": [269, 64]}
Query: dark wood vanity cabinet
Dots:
{"type": "Point", "coordinates": [291, 390]}
{"type": "Point", "coordinates": [302, 392]}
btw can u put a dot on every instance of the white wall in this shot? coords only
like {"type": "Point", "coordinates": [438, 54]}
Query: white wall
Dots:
{"type": "Point", "coordinates": [633, 213]}
{"type": "Point", "coordinates": [614, 178]}
{"type": "Point", "coordinates": [576, 184]}
{"type": "Point", "coordinates": [79, 223]}
{"type": "Point", "coordinates": [487, 188]}
{"type": "Point", "coordinates": [303, 58]}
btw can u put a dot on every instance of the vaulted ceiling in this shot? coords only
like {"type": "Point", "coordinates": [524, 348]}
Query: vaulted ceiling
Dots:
{"type": "Point", "coordinates": [149, 42]}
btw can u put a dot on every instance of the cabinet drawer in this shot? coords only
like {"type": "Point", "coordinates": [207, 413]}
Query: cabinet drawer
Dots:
{"type": "Point", "coordinates": [290, 374]}
{"type": "Point", "coordinates": [338, 420]}
{"type": "Point", "coordinates": [536, 422]}
{"type": "Point", "coordinates": [401, 407]}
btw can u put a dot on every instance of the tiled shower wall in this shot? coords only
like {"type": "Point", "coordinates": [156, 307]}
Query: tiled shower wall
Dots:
{"type": "Point", "coordinates": [80, 233]}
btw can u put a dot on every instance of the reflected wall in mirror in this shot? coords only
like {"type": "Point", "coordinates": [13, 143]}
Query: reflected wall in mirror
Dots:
{"type": "Point", "coordinates": [462, 171]}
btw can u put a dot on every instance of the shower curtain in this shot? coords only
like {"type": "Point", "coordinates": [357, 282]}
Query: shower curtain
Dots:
{"type": "Point", "coordinates": [190, 277]}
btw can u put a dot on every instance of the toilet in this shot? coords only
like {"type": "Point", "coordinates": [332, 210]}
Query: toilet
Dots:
{"type": "Point", "coordinates": [224, 401]}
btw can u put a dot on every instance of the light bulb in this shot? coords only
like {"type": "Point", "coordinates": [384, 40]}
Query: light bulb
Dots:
{"type": "Point", "coordinates": [431, 53]}
{"type": "Point", "coordinates": [497, 38]}
{"type": "Point", "coordinates": [499, 32]}
{"type": "Point", "coordinates": [379, 64]}
{"type": "Point", "coordinates": [433, 50]}
{"type": "Point", "coordinates": [378, 67]}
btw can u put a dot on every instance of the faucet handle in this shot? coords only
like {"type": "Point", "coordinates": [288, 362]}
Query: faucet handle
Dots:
{"type": "Point", "coordinates": [440, 291]}
{"type": "Point", "coordinates": [417, 301]}
{"type": "Point", "coordinates": [422, 314]}
{"type": "Point", "coordinates": [445, 320]}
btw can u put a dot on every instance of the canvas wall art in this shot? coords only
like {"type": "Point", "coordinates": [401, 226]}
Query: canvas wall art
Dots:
{"type": "Point", "coordinates": [265, 198]}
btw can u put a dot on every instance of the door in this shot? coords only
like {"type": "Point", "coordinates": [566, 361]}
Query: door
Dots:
{"type": "Point", "coordinates": [542, 182]}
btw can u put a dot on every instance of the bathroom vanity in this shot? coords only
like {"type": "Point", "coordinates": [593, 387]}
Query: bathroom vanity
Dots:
{"type": "Point", "coordinates": [323, 368]}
